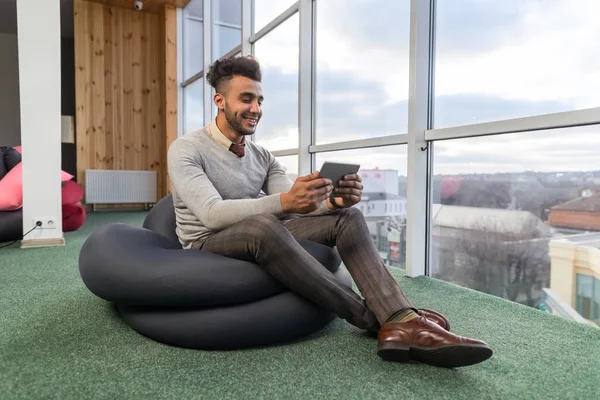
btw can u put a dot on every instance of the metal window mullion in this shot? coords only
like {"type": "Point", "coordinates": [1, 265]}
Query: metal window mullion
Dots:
{"type": "Point", "coordinates": [284, 153]}
{"type": "Point", "coordinates": [247, 48]}
{"type": "Point", "coordinates": [566, 119]}
{"type": "Point", "coordinates": [418, 122]}
{"type": "Point", "coordinates": [193, 78]}
{"type": "Point", "coordinates": [247, 27]}
{"type": "Point", "coordinates": [180, 59]}
{"type": "Point", "coordinates": [280, 19]}
{"type": "Point", "coordinates": [360, 144]}
{"type": "Point", "coordinates": [306, 121]}
{"type": "Point", "coordinates": [228, 24]}
{"type": "Point", "coordinates": [207, 57]}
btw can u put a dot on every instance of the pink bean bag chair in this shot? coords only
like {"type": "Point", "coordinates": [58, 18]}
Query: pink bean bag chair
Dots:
{"type": "Point", "coordinates": [73, 214]}
{"type": "Point", "coordinates": [11, 190]}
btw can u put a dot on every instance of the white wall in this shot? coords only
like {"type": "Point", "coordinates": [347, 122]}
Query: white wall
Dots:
{"type": "Point", "coordinates": [10, 122]}
{"type": "Point", "coordinates": [40, 89]}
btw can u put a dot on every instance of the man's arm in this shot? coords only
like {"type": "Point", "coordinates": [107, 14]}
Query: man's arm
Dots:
{"type": "Point", "coordinates": [201, 197]}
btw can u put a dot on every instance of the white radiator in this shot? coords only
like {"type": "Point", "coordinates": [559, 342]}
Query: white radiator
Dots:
{"type": "Point", "coordinates": [119, 186]}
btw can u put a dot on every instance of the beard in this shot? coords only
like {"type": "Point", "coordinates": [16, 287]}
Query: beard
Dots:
{"type": "Point", "coordinates": [236, 121]}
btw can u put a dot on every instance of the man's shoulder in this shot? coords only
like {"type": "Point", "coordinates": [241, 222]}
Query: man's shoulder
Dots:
{"type": "Point", "coordinates": [192, 141]}
{"type": "Point", "coordinates": [195, 136]}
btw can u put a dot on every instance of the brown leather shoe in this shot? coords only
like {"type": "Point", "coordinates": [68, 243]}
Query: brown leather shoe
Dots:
{"type": "Point", "coordinates": [435, 317]}
{"type": "Point", "coordinates": [431, 315]}
{"type": "Point", "coordinates": [424, 341]}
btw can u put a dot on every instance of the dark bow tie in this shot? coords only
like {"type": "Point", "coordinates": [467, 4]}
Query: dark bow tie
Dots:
{"type": "Point", "coordinates": [238, 149]}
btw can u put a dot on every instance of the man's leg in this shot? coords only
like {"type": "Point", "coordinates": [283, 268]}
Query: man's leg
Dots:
{"type": "Point", "coordinates": [347, 229]}
{"type": "Point", "coordinates": [264, 239]}
{"type": "Point", "coordinates": [405, 334]}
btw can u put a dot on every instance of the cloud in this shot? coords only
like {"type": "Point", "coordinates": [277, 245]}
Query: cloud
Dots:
{"type": "Point", "coordinates": [568, 149]}
{"type": "Point", "coordinates": [347, 109]}
{"type": "Point", "coordinates": [471, 108]}
{"type": "Point", "coordinates": [494, 60]}
{"type": "Point", "coordinates": [338, 121]}
{"type": "Point", "coordinates": [465, 28]}
{"type": "Point", "coordinates": [543, 54]}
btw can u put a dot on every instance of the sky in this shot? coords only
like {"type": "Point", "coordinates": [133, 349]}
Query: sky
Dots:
{"type": "Point", "coordinates": [494, 60]}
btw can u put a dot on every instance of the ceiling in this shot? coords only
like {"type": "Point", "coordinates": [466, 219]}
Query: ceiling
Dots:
{"type": "Point", "coordinates": [8, 17]}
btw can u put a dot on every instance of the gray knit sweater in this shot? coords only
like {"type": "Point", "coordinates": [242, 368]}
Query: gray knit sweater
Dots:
{"type": "Point", "coordinates": [213, 188]}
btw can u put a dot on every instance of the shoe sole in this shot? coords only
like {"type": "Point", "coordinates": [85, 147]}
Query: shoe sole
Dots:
{"type": "Point", "coordinates": [446, 357]}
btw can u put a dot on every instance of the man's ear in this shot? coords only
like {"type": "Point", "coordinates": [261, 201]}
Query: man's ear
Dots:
{"type": "Point", "coordinates": [219, 100]}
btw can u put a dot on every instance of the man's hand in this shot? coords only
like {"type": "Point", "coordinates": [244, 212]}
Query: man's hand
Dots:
{"type": "Point", "coordinates": [307, 194]}
{"type": "Point", "coordinates": [349, 191]}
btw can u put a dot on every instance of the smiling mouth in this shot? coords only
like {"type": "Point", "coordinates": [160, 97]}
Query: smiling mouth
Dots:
{"type": "Point", "coordinates": [253, 121]}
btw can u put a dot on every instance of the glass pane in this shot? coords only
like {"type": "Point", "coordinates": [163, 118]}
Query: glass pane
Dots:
{"type": "Point", "coordinates": [227, 29]}
{"type": "Point", "coordinates": [498, 200]}
{"type": "Point", "coordinates": [506, 59]}
{"type": "Point", "coordinates": [195, 8]}
{"type": "Point", "coordinates": [193, 117]}
{"type": "Point", "coordinates": [267, 10]}
{"type": "Point", "coordinates": [228, 11]}
{"type": "Point", "coordinates": [290, 165]}
{"type": "Point", "coordinates": [383, 172]}
{"type": "Point", "coordinates": [362, 76]}
{"type": "Point", "coordinates": [192, 47]}
{"type": "Point", "coordinates": [584, 295]}
{"type": "Point", "coordinates": [278, 54]}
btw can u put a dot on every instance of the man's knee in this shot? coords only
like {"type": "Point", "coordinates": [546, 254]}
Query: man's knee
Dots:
{"type": "Point", "coordinates": [263, 226]}
{"type": "Point", "coordinates": [353, 213]}
{"type": "Point", "coordinates": [354, 217]}
{"type": "Point", "coordinates": [262, 219]}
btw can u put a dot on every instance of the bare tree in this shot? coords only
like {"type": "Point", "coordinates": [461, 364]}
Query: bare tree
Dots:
{"type": "Point", "coordinates": [508, 259]}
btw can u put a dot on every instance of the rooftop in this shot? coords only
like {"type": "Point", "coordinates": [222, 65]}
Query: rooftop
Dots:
{"type": "Point", "coordinates": [589, 204]}
{"type": "Point", "coordinates": [589, 239]}
{"type": "Point", "coordinates": [523, 223]}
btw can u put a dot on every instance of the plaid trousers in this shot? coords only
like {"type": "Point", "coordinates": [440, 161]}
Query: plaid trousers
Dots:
{"type": "Point", "coordinates": [270, 242]}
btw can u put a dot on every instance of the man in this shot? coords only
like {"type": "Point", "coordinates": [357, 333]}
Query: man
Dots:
{"type": "Point", "coordinates": [217, 176]}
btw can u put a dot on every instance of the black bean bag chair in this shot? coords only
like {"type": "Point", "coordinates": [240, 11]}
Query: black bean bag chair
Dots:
{"type": "Point", "coordinates": [192, 298]}
{"type": "Point", "coordinates": [11, 225]}
{"type": "Point", "coordinates": [11, 222]}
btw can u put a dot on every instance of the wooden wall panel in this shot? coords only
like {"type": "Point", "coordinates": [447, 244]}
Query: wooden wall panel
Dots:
{"type": "Point", "coordinates": [152, 6]}
{"type": "Point", "coordinates": [170, 74]}
{"type": "Point", "coordinates": [120, 97]}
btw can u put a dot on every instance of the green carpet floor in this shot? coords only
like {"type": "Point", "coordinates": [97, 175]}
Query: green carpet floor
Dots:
{"type": "Point", "coordinates": [57, 340]}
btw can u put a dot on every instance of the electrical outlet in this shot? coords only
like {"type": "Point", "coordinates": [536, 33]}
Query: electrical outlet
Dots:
{"type": "Point", "coordinates": [47, 222]}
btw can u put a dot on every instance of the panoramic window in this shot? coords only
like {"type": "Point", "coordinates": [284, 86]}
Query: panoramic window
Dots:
{"type": "Point", "coordinates": [497, 60]}
{"type": "Point", "coordinates": [362, 69]}
{"type": "Point", "coordinates": [267, 10]}
{"type": "Point", "coordinates": [383, 174]}
{"type": "Point", "coordinates": [497, 202]}
{"type": "Point", "coordinates": [278, 54]}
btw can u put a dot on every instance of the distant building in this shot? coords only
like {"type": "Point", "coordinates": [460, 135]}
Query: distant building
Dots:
{"type": "Point", "coordinates": [582, 213]}
{"type": "Point", "coordinates": [380, 181]}
{"type": "Point", "coordinates": [382, 205]}
{"type": "Point", "coordinates": [574, 291]}
{"type": "Point", "coordinates": [385, 212]}
{"type": "Point", "coordinates": [496, 251]}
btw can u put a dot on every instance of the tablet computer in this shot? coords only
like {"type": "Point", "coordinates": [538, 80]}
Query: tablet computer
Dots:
{"type": "Point", "coordinates": [336, 171]}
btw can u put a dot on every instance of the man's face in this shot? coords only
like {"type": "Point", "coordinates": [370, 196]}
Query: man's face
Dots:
{"type": "Point", "coordinates": [242, 104]}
